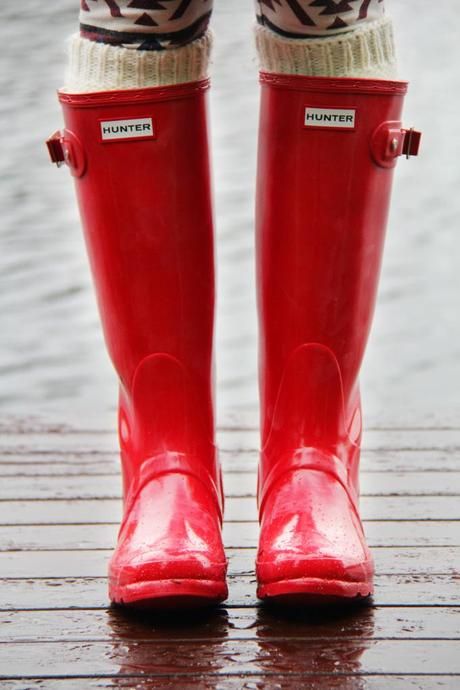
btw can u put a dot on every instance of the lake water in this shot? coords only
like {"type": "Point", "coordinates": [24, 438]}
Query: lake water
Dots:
{"type": "Point", "coordinates": [52, 359]}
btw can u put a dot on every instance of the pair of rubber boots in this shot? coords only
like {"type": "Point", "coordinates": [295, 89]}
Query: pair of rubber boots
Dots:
{"type": "Point", "coordinates": [140, 158]}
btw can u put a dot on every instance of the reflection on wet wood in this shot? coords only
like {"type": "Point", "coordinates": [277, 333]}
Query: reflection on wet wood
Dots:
{"type": "Point", "coordinates": [129, 657]}
{"type": "Point", "coordinates": [59, 509]}
{"type": "Point", "coordinates": [253, 682]}
{"type": "Point", "coordinates": [233, 624]}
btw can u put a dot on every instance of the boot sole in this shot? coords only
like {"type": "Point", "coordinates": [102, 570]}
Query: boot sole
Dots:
{"type": "Point", "coordinates": [315, 592]}
{"type": "Point", "coordinates": [169, 594]}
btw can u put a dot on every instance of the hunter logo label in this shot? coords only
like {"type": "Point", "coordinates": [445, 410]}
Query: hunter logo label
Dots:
{"type": "Point", "coordinates": [139, 128]}
{"type": "Point", "coordinates": [337, 118]}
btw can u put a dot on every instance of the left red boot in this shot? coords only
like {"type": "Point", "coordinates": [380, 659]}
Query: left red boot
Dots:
{"type": "Point", "coordinates": [327, 149]}
{"type": "Point", "coordinates": [140, 161]}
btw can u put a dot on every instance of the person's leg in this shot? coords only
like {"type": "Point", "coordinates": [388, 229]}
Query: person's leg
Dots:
{"type": "Point", "coordinates": [136, 141]}
{"type": "Point", "coordinates": [300, 19]}
{"type": "Point", "coordinates": [145, 24]}
{"type": "Point", "coordinates": [329, 136]}
{"type": "Point", "coordinates": [123, 44]}
{"type": "Point", "coordinates": [325, 38]}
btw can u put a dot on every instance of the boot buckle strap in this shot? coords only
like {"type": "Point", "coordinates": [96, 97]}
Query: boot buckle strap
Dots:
{"type": "Point", "coordinates": [390, 140]}
{"type": "Point", "coordinates": [411, 142]}
{"type": "Point", "coordinates": [65, 147]}
{"type": "Point", "coordinates": [56, 149]}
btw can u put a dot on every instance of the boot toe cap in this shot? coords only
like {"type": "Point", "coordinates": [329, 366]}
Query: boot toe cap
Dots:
{"type": "Point", "coordinates": [171, 533]}
{"type": "Point", "coordinates": [310, 530]}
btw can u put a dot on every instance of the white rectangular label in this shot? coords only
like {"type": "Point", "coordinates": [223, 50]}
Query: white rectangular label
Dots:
{"type": "Point", "coordinates": [127, 129]}
{"type": "Point", "coordinates": [340, 118]}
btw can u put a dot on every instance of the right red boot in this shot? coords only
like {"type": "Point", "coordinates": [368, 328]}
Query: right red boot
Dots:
{"type": "Point", "coordinates": [141, 165]}
{"type": "Point", "coordinates": [327, 149]}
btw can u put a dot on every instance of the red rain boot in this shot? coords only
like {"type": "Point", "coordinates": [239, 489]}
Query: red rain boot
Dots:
{"type": "Point", "coordinates": [141, 164]}
{"type": "Point", "coordinates": [327, 149]}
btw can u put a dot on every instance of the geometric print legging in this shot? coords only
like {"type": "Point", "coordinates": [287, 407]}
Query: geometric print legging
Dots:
{"type": "Point", "coordinates": [163, 24]}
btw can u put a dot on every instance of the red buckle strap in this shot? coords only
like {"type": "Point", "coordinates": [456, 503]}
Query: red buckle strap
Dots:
{"type": "Point", "coordinates": [56, 149]}
{"type": "Point", "coordinates": [65, 147]}
{"type": "Point", "coordinates": [169, 463]}
{"type": "Point", "coordinates": [411, 143]}
{"type": "Point", "coordinates": [390, 140]}
{"type": "Point", "coordinates": [307, 459]}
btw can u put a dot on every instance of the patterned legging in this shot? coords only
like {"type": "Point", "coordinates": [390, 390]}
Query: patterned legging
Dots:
{"type": "Point", "coordinates": [162, 24]}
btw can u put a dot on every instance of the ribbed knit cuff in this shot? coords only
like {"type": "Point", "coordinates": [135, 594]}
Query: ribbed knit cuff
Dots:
{"type": "Point", "coordinates": [97, 66]}
{"type": "Point", "coordinates": [367, 51]}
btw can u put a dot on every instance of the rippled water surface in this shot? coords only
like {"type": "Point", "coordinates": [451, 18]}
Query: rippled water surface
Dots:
{"type": "Point", "coordinates": [52, 359]}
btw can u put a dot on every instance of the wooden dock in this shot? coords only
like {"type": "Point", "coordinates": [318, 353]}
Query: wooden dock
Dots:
{"type": "Point", "coordinates": [59, 510]}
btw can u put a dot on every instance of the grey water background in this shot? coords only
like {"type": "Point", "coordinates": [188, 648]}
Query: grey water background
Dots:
{"type": "Point", "coordinates": [53, 363]}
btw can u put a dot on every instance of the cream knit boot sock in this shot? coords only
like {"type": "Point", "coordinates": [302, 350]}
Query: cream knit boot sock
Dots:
{"type": "Point", "coordinates": [366, 51]}
{"type": "Point", "coordinates": [97, 66]}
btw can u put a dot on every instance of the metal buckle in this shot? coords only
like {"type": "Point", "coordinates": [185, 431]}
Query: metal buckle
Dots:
{"type": "Point", "coordinates": [56, 149]}
{"type": "Point", "coordinates": [411, 142]}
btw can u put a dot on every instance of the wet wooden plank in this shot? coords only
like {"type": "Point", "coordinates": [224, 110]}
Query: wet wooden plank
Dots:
{"type": "Point", "coordinates": [230, 419]}
{"type": "Point", "coordinates": [238, 681]}
{"type": "Point", "coordinates": [236, 510]}
{"type": "Point", "coordinates": [229, 439]}
{"type": "Point", "coordinates": [381, 460]}
{"type": "Point", "coordinates": [81, 593]}
{"type": "Point", "coordinates": [34, 593]}
{"type": "Point", "coordinates": [411, 560]}
{"type": "Point", "coordinates": [231, 624]}
{"type": "Point", "coordinates": [123, 657]}
{"type": "Point", "coordinates": [372, 508]}
{"type": "Point", "coordinates": [55, 468]}
{"type": "Point", "coordinates": [236, 535]}
{"type": "Point", "coordinates": [373, 439]}
{"type": "Point", "coordinates": [236, 485]}
{"type": "Point", "coordinates": [57, 463]}
{"type": "Point", "coordinates": [53, 594]}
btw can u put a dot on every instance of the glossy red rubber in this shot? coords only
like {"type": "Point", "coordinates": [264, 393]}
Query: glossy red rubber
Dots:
{"type": "Point", "coordinates": [146, 208]}
{"type": "Point", "coordinates": [323, 194]}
